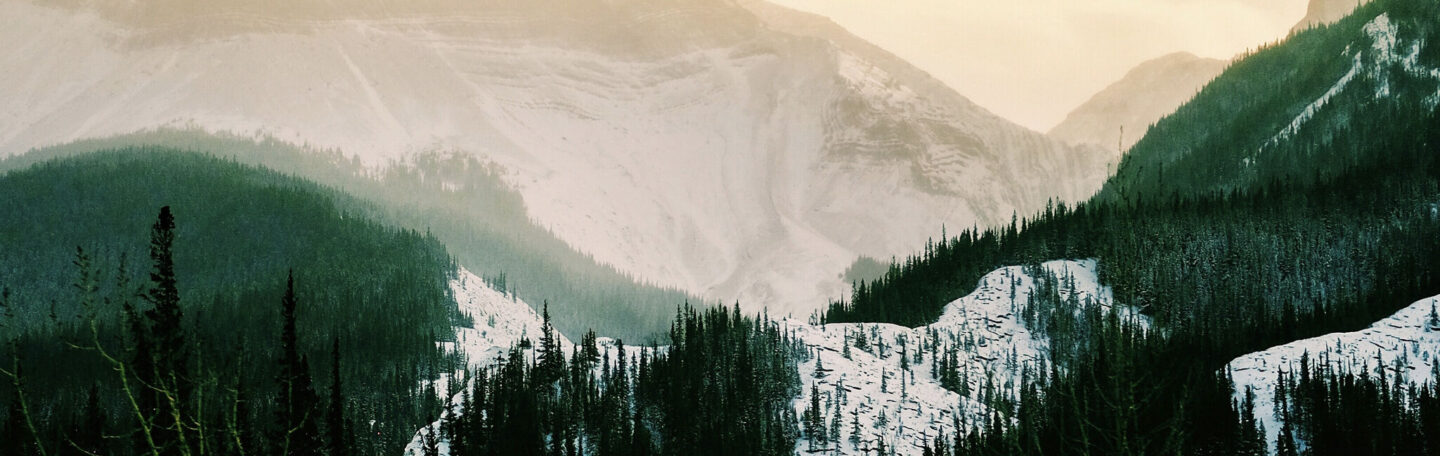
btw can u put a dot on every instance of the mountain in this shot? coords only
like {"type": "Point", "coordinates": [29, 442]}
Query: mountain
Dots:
{"type": "Point", "coordinates": [738, 151]}
{"type": "Point", "coordinates": [1291, 198]}
{"type": "Point", "coordinates": [1307, 110]}
{"type": "Point", "coordinates": [1325, 12]}
{"type": "Point", "coordinates": [1146, 93]}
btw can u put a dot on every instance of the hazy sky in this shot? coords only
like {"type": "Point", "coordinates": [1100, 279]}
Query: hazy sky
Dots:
{"type": "Point", "coordinates": [1032, 61]}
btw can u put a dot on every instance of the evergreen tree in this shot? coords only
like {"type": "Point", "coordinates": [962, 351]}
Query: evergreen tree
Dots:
{"type": "Point", "coordinates": [165, 314]}
{"type": "Point", "coordinates": [171, 377]}
{"type": "Point", "coordinates": [88, 435]}
{"type": "Point", "coordinates": [551, 360]}
{"type": "Point", "coordinates": [1434, 318]}
{"type": "Point", "coordinates": [337, 425]}
{"type": "Point", "coordinates": [296, 431]}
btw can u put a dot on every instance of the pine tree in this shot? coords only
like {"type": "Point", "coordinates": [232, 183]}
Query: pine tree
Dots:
{"type": "Point", "coordinates": [552, 361]}
{"type": "Point", "coordinates": [165, 315]}
{"type": "Point", "coordinates": [296, 431]}
{"type": "Point", "coordinates": [337, 427]}
{"type": "Point", "coordinates": [814, 418]}
{"type": "Point", "coordinates": [855, 428]}
{"type": "Point", "coordinates": [171, 379]}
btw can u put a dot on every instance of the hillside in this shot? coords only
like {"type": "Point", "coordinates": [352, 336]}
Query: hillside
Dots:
{"type": "Point", "coordinates": [1307, 109]}
{"type": "Point", "coordinates": [463, 202]}
{"type": "Point", "coordinates": [617, 122]}
{"type": "Point", "coordinates": [376, 291]}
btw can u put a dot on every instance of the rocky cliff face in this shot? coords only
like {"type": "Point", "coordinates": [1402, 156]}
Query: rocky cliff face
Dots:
{"type": "Point", "coordinates": [741, 151]}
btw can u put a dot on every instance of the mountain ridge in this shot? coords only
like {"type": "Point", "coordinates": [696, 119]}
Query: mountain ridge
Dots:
{"type": "Point", "coordinates": [617, 138]}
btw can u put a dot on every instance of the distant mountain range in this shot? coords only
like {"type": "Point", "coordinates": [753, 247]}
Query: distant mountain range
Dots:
{"type": "Point", "coordinates": [737, 151]}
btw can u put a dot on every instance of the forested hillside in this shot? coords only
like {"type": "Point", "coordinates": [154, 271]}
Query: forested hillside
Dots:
{"type": "Point", "coordinates": [1294, 196]}
{"type": "Point", "coordinates": [459, 200]}
{"type": "Point", "coordinates": [197, 306]}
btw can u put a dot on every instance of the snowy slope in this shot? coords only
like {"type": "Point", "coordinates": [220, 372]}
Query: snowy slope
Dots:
{"type": "Point", "coordinates": [498, 322]}
{"type": "Point", "coordinates": [1399, 344]}
{"type": "Point", "coordinates": [741, 152]}
{"type": "Point", "coordinates": [992, 344]}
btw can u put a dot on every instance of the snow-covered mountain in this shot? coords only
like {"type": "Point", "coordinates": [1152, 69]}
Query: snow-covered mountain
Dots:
{"type": "Point", "coordinates": [868, 380]}
{"type": "Point", "coordinates": [739, 151]}
{"type": "Point", "coordinates": [1148, 92]}
{"type": "Point", "coordinates": [1403, 345]}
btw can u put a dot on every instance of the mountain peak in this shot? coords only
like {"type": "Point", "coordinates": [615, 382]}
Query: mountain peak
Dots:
{"type": "Point", "coordinates": [1146, 93]}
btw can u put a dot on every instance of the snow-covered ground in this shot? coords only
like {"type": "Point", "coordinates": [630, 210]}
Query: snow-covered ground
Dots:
{"type": "Point", "coordinates": [499, 321]}
{"type": "Point", "coordinates": [992, 344]}
{"type": "Point", "coordinates": [1399, 344]}
{"type": "Point", "coordinates": [738, 152]}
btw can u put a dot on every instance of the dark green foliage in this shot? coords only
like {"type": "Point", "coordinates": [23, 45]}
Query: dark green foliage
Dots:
{"type": "Point", "coordinates": [383, 292]}
{"type": "Point", "coordinates": [297, 416]}
{"type": "Point", "coordinates": [1370, 411]}
{"type": "Point", "coordinates": [338, 440]}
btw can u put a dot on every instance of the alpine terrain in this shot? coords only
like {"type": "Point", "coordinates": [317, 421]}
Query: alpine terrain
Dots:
{"type": "Point", "coordinates": [700, 144]}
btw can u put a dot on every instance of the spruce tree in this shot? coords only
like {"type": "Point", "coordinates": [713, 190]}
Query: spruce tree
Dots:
{"type": "Point", "coordinates": [1434, 317]}
{"type": "Point", "coordinates": [296, 432]}
{"type": "Point", "coordinates": [552, 361]}
{"type": "Point", "coordinates": [337, 427]}
{"type": "Point", "coordinates": [162, 337]}
{"type": "Point", "coordinates": [165, 314]}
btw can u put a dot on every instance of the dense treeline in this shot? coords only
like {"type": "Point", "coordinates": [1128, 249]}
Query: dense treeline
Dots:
{"type": "Point", "coordinates": [1324, 409]}
{"type": "Point", "coordinates": [723, 386]}
{"type": "Point", "coordinates": [1229, 137]}
{"type": "Point", "coordinates": [201, 319]}
{"type": "Point", "coordinates": [461, 201]}
{"type": "Point", "coordinates": [1230, 243]}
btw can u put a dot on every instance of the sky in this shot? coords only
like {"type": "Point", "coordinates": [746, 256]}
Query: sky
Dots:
{"type": "Point", "coordinates": [1033, 61]}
